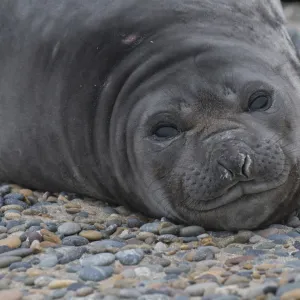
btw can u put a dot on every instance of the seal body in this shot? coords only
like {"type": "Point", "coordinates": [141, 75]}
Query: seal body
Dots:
{"type": "Point", "coordinates": [183, 109]}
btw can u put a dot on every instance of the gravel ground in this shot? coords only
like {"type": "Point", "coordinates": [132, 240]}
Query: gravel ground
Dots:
{"type": "Point", "coordinates": [56, 246]}
{"type": "Point", "coordinates": [61, 246]}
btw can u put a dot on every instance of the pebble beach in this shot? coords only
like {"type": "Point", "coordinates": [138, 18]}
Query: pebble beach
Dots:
{"type": "Point", "coordinates": [67, 246]}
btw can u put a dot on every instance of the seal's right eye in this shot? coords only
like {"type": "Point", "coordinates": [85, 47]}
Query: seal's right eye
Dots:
{"type": "Point", "coordinates": [260, 101]}
{"type": "Point", "coordinates": [165, 131]}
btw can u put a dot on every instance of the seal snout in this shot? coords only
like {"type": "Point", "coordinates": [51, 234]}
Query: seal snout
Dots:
{"type": "Point", "coordinates": [235, 166]}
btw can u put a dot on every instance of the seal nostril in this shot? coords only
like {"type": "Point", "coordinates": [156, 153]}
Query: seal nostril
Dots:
{"type": "Point", "coordinates": [235, 166]}
{"type": "Point", "coordinates": [246, 166]}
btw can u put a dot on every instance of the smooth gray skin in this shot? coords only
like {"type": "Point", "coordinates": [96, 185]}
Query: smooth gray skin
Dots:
{"type": "Point", "coordinates": [84, 83]}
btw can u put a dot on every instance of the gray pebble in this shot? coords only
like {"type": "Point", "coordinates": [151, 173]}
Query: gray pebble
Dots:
{"type": "Point", "coordinates": [18, 252]}
{"type": "Point", "coordinates": [168, 238]}
{"type": "Point", "coordinates": [133, 222]}
{"type": "Point", "coordinates": [21, 227]}
{"type": "Point", "coordinates": [266, 245]}
{"type": "Point", "coordinates": [151, 227]}
{"type": "Point", "coordinates": [6, 261]}
{"type": "Point", "coordinates": [14, 196]}
{"type": "Point", "coordinates": [95, 273]}
{"type": "Point", "coordinates": [57, 294]}
{"type": "Point", "coordinates": [20, 265]}
{"type": "Point", "coordinates": [201, 288]}
{"type": "Point", "coordinates": [255, 239]}
{"type": "Point", "coordinates": [130, 257]}
{"type": "Point", "coordinates": [70, 253]}
{"type": "Point", "coordinates": [48, 261]}
{"type": "Point", "coordinates": [109, 210]}
{"type": "Point", "coordinates": [160, 247]}
{"type": "Point", "coordinates": [29, 281]}
{"type": "Point", "coordinates": [84, 291]}
{"type": "Point", "coordinates": [108, 244]}
{"type": "Point", "coordinates": [75, 241]}
{"type": "Point", "coordinates": [115, 221]}
{"type": "Point", "coordinates": [33, 228]}
{"type": "Point", "coordinates": [69, 228]}
{"type": "Point", "coordinates": [75, 286]}
{"type": "Point", "coordinates": [12, 223]}
{"type": "Point", "coordinates": [173, 229]}
{"type": "Point", "coordinates": [13, 201]}
{"type": "Point", "coordinates": [191, 231]}
{"type": "Point", "coordinates": [203, 254]}
{"type": "Point", "coordinates": [73, 268]}
{"type": "Point", "coordinates": [42, 281]}
{"type": "Point", "coordinates": [102, 259]}
{"type": "Point", "coordinates": [34, 236]}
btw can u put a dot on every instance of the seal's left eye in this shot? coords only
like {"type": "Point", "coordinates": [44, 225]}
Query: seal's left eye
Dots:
{"type": "Point", "coordinates": [166, 131]}
{"type": "Point", "coordinates": [260, 101]}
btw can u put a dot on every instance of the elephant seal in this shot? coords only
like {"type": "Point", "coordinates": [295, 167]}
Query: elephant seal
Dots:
{"type": "Point", "coordinates": [183, 109]}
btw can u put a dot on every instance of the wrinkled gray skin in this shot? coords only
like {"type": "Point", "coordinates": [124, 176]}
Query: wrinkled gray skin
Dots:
{"type": "Point", "coordinates": [85, 84]}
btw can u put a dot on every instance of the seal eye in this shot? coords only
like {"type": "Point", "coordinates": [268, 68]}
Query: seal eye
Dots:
{"type": "Point", "coordinates": [166, 131]}
{"type": "Point", "coordinates": [259, 101]}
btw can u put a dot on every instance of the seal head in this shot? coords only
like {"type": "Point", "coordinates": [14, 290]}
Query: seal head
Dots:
{"type": "Point", "coordinates": [211, 135]}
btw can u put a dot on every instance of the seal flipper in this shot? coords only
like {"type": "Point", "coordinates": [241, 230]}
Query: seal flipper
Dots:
{"type": "Point", "coordinates": [295, 36]}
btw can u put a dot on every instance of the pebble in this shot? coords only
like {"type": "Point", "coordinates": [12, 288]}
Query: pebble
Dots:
{"type": "Point", "coordinates": [84, 291]}
{"type": "Point", "coordinates": [106, 244]}
{"type": "Point", "coordinates": [42, 281]}
{"type": "Point", "coordinates": [279, 238]}
{"type": "Point", "coordinates": [11, 295]}
{"type": "Point", "coordinates": [92, 235]}
{"type": "Point", "coordinates": [58, 284]}
{"type": "Point", "coordinates": [20, 265]}
{"type": "Point", "coordinates": [18, 252]}
{"type": "Point", "coordinates": [6, 261]}
{"type": "Point", "coordinates": [236, 279]}
{"type": "Point", "coordinates": [13, 201]}
{"type": "Point", "coordinates": [95, 273]}
{"type": "Point", "coordinates": [133, 222]}
{"type": "Point", "coordinates": [57, 294]}
{"type": "Point", "coordinates": [75, 241]}
{"type": "Point", "coordinates": [69, 228]}
{"type": "Point", "coordinates": [48, 261]}
{"type": "Point", "coordinates": [201, 288]}
{"type": "Point", "coordinates": [200, 254]}
{"type": "Point", "coordinates": [11, 241]}
{"type": "Point", "coordinates": [160, 247]}
{"type": "Point", "coordinates": [191, 231]}
{"type": "Point", "coordinates": [69, 254]}
{"type": "Point", "coordinates": [34, 236]}
{"type": "Point", "coordinates": [50, 236]}
{"type": "Point", "coordinates": [151, 227]}
{"type": "Point", "coordinates": [130, 257]}
{"type": "Point", "coordinates": [103, 259]}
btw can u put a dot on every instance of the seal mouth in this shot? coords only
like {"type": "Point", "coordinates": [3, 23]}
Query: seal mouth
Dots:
{"type": "Point", "coordinates": [237, 191]}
